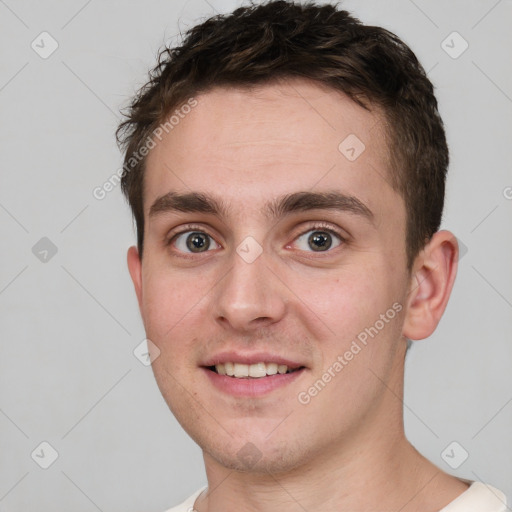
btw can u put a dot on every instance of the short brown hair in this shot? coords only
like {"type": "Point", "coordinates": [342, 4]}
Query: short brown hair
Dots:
{"type": "Point", "coordinates": [259, 44]}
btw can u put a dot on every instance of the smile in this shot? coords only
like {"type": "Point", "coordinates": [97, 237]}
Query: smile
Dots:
{"type": "Point", "coordinates": [251, 371]}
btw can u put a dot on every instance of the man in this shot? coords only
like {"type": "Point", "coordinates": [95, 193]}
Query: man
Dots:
{"type": "Point", "coordinates": [285, 167]}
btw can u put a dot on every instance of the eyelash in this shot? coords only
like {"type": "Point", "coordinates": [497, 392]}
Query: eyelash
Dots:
{"type": "Point", "coordinates": [319, 226]}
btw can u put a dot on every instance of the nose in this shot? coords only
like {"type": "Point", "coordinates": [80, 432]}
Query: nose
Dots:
{"type": "Point", "coordinates": [250, 295]}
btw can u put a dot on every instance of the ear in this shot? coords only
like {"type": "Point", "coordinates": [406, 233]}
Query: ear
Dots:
{"type": "Point", "coordinates": [432, 279]}
{"type": "Point", "coordinates": [135, 268]}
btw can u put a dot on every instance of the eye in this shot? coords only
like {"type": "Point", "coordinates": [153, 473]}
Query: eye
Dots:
{"type": "Point", "coordinates": [193, 241]}
{"type": "Point", "coordinates": [319, 240]}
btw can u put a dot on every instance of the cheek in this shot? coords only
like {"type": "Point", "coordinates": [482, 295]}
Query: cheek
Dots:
{"type": "Point", "coordinates": [353, 314]}
{"type": "Point", "coordinates": [359, 344]}
{"type": "Point", "coordinates": [344, 301]}
{"type": "Point", "coordinates": [171, 303]}
{"type": "Point", "coordinates": [173, 306]}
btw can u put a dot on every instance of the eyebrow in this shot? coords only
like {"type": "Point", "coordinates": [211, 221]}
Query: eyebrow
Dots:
{"type": "Point", "coordinates": [195, 202]}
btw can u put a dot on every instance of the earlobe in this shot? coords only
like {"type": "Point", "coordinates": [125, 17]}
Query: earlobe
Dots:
{"type": "Point", "coordinates": [135, 269]}
{"type": "Point", "coordinates": [431, 284]}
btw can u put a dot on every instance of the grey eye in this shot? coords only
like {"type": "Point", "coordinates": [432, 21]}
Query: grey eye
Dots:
{"type": "Point", "coordinates": [318, 241]}
{"type": "Point", "coordinates": [195, 242]}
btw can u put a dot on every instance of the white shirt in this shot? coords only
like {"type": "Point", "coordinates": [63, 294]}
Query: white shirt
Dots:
{"type": "Point", "coordinates": [478, 497]}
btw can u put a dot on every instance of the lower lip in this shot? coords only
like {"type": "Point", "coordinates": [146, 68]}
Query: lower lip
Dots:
{"type": "Point", "coordinates": [251, 387]}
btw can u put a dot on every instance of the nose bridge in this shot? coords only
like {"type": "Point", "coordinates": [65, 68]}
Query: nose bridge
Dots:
{"type": "Point", "coordinates": [250, 294]}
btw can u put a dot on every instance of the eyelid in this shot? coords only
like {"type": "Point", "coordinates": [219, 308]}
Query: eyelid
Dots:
{"type": "Point", "coordinates": [323, 226]}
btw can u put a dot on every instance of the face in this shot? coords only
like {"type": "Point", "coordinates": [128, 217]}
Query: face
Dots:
{"type": "Point", "coordinates": [272, 238]}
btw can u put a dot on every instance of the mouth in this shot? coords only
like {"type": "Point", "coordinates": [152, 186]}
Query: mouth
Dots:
{"type": "Point", "coordinates": [251, 375]}
{"type": "Point", "coordinates": [252, 371]}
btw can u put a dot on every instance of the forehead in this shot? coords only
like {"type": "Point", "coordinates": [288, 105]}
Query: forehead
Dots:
{"type": "Point", "coordinates": [251, 144]}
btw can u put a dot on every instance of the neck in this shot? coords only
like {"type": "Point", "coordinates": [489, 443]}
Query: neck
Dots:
{"type": "Point", "coordinates": [401, 479]}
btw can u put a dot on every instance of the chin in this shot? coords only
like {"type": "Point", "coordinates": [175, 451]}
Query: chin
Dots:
{"type": "Point", "coordinates": [274, 458]}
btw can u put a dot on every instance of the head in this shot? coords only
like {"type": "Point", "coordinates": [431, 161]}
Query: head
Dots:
{"type": "Point", "coordinates": [267, 125]}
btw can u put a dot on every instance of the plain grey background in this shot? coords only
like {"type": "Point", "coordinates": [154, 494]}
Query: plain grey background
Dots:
{"type": "Point", "coordinates": [69, 319]}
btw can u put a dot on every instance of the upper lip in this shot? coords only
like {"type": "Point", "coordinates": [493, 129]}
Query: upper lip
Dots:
{"type": "Point", "coordinates": [250, 358]}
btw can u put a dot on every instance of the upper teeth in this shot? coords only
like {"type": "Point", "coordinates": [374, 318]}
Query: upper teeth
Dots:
{"type": "Point", "coordinates": [250, 370]}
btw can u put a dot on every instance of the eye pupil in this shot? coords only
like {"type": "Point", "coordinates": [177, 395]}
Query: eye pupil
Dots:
{"type": "Point", "coordinates": [320, 240]}
{"type": "Point", "coordinates": [197, 242]}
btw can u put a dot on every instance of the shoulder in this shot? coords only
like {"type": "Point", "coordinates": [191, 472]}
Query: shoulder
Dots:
{"type": "Point", "coordinates": [478, 497]}
{"type": "Point", "coordinates": [188, 504]}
